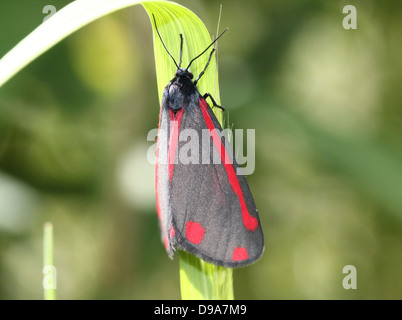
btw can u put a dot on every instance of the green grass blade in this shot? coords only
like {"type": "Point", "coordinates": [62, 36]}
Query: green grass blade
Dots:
{"type": "Point", "coordinates": [66, 20]}
{"type": "Point", "coordinates": [172, 19]}
{"type": "Point", "coordinates": [198, 279]}
{"type": "Point", "coordinates": [49, 269]}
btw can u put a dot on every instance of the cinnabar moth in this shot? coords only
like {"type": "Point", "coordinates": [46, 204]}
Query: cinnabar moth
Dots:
{"type": "Point", "coordinates": [204, 209]}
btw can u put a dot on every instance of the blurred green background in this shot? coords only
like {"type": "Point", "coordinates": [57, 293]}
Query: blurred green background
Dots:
{"type": "Point", "coordinates": [326, 106]}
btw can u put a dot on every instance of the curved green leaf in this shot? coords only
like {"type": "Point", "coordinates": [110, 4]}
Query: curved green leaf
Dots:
{"type": "Point", "coordinates": [199, 280]}
{"type": "Point", "coordinates": [66, 20]}
{"type": "Point", "coordinates": [48, 259]}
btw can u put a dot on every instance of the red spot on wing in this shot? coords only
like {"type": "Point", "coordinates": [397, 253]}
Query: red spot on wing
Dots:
{"type": "Point", "coordinates": [239, 253]}
{"type": "Point", "coordinates": [194, 232]}
{"type": "Point", "coordinates": [172, 232]}
{"type": "Point", "coordinates": [175, 121]}
{"type": "Point", "coordinates": [250, 222]}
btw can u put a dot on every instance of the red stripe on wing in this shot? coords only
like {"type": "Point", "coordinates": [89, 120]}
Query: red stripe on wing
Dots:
{"type": "Point", "coordinates": [175, 121]}
{"type": "Point", "coordinates": [250, 222]}
{"type": "Point", "coordinates": [158, 208]}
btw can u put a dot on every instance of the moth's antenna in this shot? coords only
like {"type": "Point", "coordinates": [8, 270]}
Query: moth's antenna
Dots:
{"type": "Point", "coordinates": [207, 48]}
{"type": "Point", "coordinates": [181, 49]}
{"type": "Point", "coordinates": [181, 46]}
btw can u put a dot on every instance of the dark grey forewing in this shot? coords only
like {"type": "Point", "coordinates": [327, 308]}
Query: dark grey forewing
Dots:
{"type": "Point", "coordinates": [162, 176]}
{"type": "Point", "coordinates": [201, 193]}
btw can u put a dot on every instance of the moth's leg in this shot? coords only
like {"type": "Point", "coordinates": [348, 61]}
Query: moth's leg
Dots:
{"type": "Point", "coordinates": [214, 104]}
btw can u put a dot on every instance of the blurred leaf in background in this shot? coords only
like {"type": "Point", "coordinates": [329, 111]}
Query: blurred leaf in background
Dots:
{"type": "Point", "coordinates": [326, 106]}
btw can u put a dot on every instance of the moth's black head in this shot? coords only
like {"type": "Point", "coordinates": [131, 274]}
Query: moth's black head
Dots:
{"type": "Point", "coordinates": [180, 72]}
